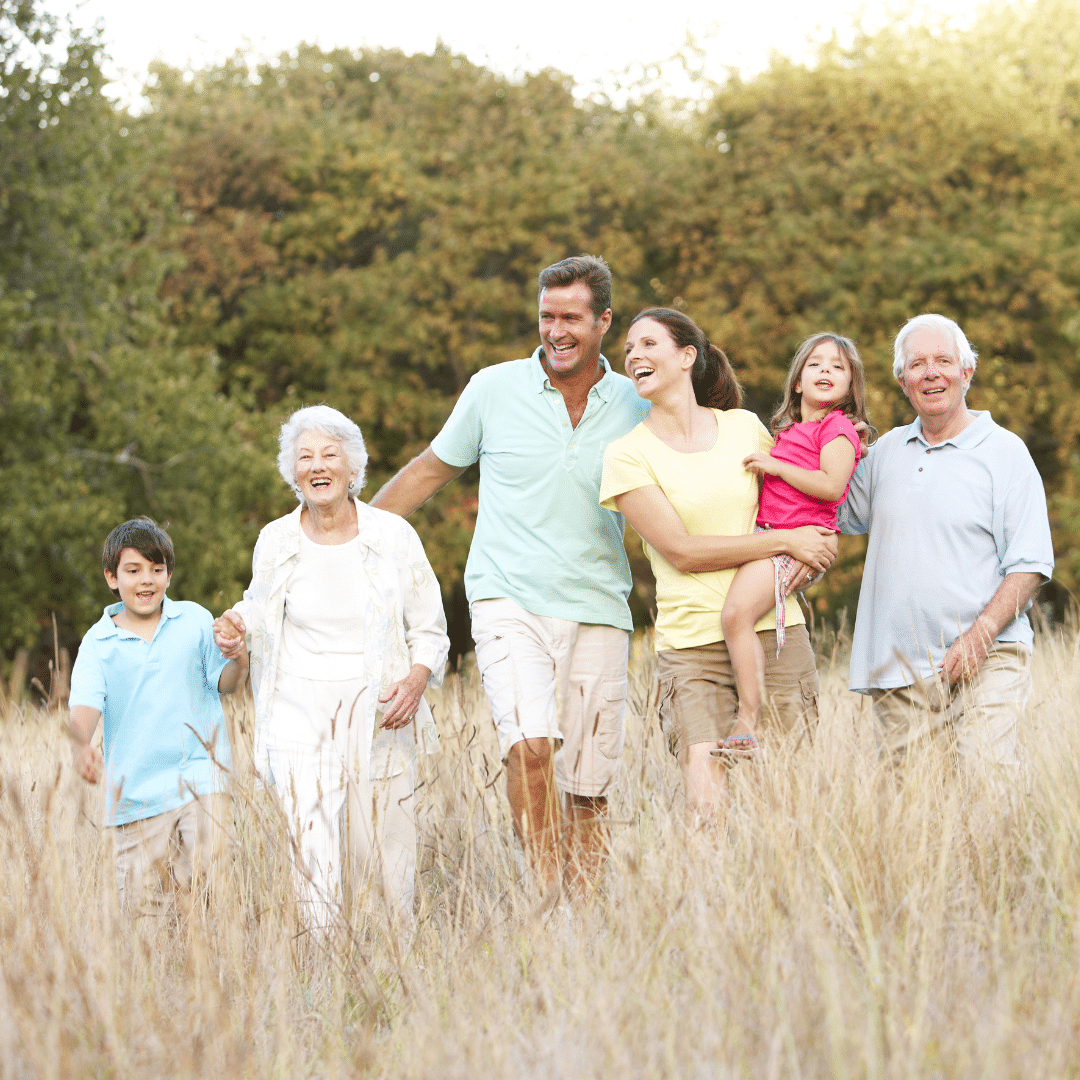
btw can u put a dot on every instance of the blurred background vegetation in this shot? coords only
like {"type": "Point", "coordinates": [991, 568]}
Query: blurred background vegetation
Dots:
{"type": "Point", "coordinates": [365, 229]}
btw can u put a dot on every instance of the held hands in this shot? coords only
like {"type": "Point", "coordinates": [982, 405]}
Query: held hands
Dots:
{"type": "Point", "coordinates": [229, 631]}
{"type": "Point", "coordinates": [759, 463]}
{"type": "Point", "coordinates": [403, 698]}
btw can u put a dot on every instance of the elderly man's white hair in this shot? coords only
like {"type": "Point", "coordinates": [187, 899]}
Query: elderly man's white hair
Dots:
{"type": "Point", "coordinates": [965, 353]}
{"type": "Point", "coordinates": [334, 425]}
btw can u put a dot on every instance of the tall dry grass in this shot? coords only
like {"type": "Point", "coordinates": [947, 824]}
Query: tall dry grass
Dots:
{"type": "Point", "coordinates": [839, 925]}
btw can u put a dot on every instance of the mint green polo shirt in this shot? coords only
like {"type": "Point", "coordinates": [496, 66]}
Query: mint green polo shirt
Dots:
{"type": "Point", "coordinates": [161, 705]}
{"type": "Point", "coordinates": [542, 539]}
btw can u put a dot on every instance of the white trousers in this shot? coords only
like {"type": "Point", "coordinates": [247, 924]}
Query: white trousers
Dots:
{"type": "Point", "coordinates": [355, 836]}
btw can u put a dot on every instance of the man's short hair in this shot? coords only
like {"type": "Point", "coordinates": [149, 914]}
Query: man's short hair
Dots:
{"type": "Point", "coordinates": [143, 534]}
{"type": "Point", "coordinates": [964, 352]}
{"type": "Point", "coordinates": [588, 268]}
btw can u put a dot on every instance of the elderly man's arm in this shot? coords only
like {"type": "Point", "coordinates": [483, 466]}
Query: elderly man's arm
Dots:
{"type": "Point", "coordinates": [966, 654]}
{"type": "Point", "coordinates": [854, 515]}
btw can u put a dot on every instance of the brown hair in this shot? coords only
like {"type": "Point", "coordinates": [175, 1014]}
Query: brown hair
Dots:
{"type": "Point", "coordinates": [854, 404]}
{"type": "Point", "coordinates": [143, 534]}
{"type": "Point", "coordinates": [715, 385]}
{"type": "Point", "coordinates": [588, 268]}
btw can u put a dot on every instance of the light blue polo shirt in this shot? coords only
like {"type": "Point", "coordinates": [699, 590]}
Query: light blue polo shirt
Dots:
{"type": "Point", "coordinates": [946, 524]}
{"type": "Point", "coordinates": [542, 538]}
{"type": "Point", "coordinates": [156, 696]}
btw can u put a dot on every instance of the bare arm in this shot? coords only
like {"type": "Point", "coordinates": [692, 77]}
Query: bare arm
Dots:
{"type": "Point", "coordinates": [967, 653]}
{"type": "Point", "coordinates": [826, 483]}
{"type": "Point", "coordinates": [415, 484]}
{"type": "Point", "coordinates": [235, 672]}
{"type": "Point", "coordinates": [83, 721]}
{"type": "Point", "coordinates": [656, 521]}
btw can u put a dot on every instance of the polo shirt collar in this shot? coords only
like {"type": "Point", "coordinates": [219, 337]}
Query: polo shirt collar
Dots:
{"type": "Point", "coordinates": [971, 436]}
{"type": "Point", "coordinates": [106, 628]}
{"type": "Point", "coordinates": [541, 381]}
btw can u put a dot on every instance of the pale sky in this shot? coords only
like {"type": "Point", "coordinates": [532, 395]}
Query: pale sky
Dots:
{"type": "Point", "coordinates": [591, 41]}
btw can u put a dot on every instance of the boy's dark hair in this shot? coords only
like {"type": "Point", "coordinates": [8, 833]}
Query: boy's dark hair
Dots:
{"type": "Point", "coordinates": [143, 534]}
{"type": "Point", "coordinates": [588, 268]}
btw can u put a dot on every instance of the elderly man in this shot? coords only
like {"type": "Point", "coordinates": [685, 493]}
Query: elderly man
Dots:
{"type": "Point", "coordinates": [959, 543]}
{"type": "Point", "coordinates": [547, 576]}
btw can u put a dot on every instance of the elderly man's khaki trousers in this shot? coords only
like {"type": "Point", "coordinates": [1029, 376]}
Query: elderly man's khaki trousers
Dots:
{"type": "Point", "coordinates": [982, 716]}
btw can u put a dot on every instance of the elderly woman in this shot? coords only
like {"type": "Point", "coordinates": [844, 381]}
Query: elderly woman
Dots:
{"type": "Point", "coordinates": [345, 628]}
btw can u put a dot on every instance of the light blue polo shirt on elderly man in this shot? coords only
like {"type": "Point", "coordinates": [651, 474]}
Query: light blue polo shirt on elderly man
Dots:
{"type": "Point", "coordinates": [542, 539]}
{"type": "Point", "coordinates": [947, 523]}
{"type": "Point", "coordinates": [162, 711]}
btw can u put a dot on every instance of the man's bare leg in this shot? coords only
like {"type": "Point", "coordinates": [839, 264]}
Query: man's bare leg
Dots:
{"type": "Point", "coordinates": [534, 806]}
{"type": "Point", "coordinates": [587, 841]}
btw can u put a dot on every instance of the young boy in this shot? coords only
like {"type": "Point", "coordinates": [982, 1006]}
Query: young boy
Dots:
{"type": "Point", "coordinates": [151, 666]}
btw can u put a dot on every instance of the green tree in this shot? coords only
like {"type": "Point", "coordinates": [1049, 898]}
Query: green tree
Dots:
{"type": "Point", "coordinates": [105, 415]}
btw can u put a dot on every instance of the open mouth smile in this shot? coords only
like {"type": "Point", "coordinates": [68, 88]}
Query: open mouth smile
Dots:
{"type": "Point", "coordinates": [643, 373]}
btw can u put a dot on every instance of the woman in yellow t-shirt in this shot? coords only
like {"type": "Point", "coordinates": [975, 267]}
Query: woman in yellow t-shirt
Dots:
{"type": "Point", "coordinates": [679, 480]}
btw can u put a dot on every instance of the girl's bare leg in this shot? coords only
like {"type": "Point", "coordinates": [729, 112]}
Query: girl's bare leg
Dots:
{"type": "Point", "coordinates": [752, 595]}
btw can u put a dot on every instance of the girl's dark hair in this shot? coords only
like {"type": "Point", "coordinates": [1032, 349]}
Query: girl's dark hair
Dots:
{"type": "Point", "coordinates": [853, 406]}
{"type": "Point", "coordinates": [715, 385]}
{"type": "Point", "coordinates": [143, 534]}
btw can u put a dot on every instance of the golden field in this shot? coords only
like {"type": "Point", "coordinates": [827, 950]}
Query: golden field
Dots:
{"type": "Point", "coordinates": [839, 924]}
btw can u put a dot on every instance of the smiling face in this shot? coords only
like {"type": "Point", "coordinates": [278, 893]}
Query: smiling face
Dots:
{"type": "Point", "coordinates": [933, 380]}
{"type": "Point", "coordinates": [322, 470]}
{"type": "Point", "coordinates": [654, 361]}
{"type": "Point", "coordinates": [570, 332]}
{"type": "Point", "coordinates": [825, 380]}
{"type": "Point", "coordinates": [140, 583]}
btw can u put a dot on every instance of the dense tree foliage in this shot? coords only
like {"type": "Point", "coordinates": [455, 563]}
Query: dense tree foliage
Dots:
{"type": "Point", "coordinates": [104, 413]}
{"type": "Point", "coordinates": [365, 228]}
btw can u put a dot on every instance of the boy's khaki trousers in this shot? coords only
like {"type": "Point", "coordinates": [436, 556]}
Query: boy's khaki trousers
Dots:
{"type": "Point", "coordinates": [171, 853]}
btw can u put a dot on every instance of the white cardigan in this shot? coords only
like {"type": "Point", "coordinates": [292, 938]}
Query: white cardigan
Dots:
{"type": "Point", "coordinates": [404, 623]}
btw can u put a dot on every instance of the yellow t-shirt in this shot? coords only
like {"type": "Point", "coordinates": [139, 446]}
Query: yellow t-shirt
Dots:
{"type": "Point", "coordinates": [715, 496]}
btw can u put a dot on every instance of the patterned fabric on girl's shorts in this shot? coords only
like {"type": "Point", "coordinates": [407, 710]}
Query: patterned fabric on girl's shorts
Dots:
{"type": "Point", "coordinates": [782, 567]}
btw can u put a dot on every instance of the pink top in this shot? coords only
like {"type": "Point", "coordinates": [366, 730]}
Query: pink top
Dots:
{"type": "Point", "coordinates": [783, 507]}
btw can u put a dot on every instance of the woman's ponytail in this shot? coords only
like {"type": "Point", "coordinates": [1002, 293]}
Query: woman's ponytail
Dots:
{"type": "Point", "coordinates": [715, 385]}
{"type": "Point", "coordinates": [713, 378]}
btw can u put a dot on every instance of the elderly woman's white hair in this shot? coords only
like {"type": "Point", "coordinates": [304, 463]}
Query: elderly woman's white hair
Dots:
{"type": "Point", "coordinates": [965, 353]}
{"type": "Point", "coordinates": [331, 423]}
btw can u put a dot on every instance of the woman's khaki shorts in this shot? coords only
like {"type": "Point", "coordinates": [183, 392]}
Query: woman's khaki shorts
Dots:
{"type": "Point", "coordinates": [698, 700]}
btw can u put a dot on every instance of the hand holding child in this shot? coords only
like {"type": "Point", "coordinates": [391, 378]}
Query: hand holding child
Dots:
{"type": "Point", "coordinates": [761, 463]}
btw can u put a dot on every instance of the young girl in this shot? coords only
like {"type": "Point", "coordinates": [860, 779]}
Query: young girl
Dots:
{"type": "Point", "coordinates": [804, 481]}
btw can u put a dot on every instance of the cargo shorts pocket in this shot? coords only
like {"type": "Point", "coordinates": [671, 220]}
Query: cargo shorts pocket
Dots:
{"type": "Point", "coordinates": [665, 698]}
{"type": "Point", "coordinates": [610, 733]}
{"type": "Point", "coordinates": [496, 676]}
{"type": "Point", "coordinates": [809, 687]}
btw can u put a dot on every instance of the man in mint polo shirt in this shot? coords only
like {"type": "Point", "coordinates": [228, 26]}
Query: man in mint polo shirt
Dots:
{"type": "Point", "coordinates": [959, 543]}
{"type": "Point", "coordinates": [547, 576]}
